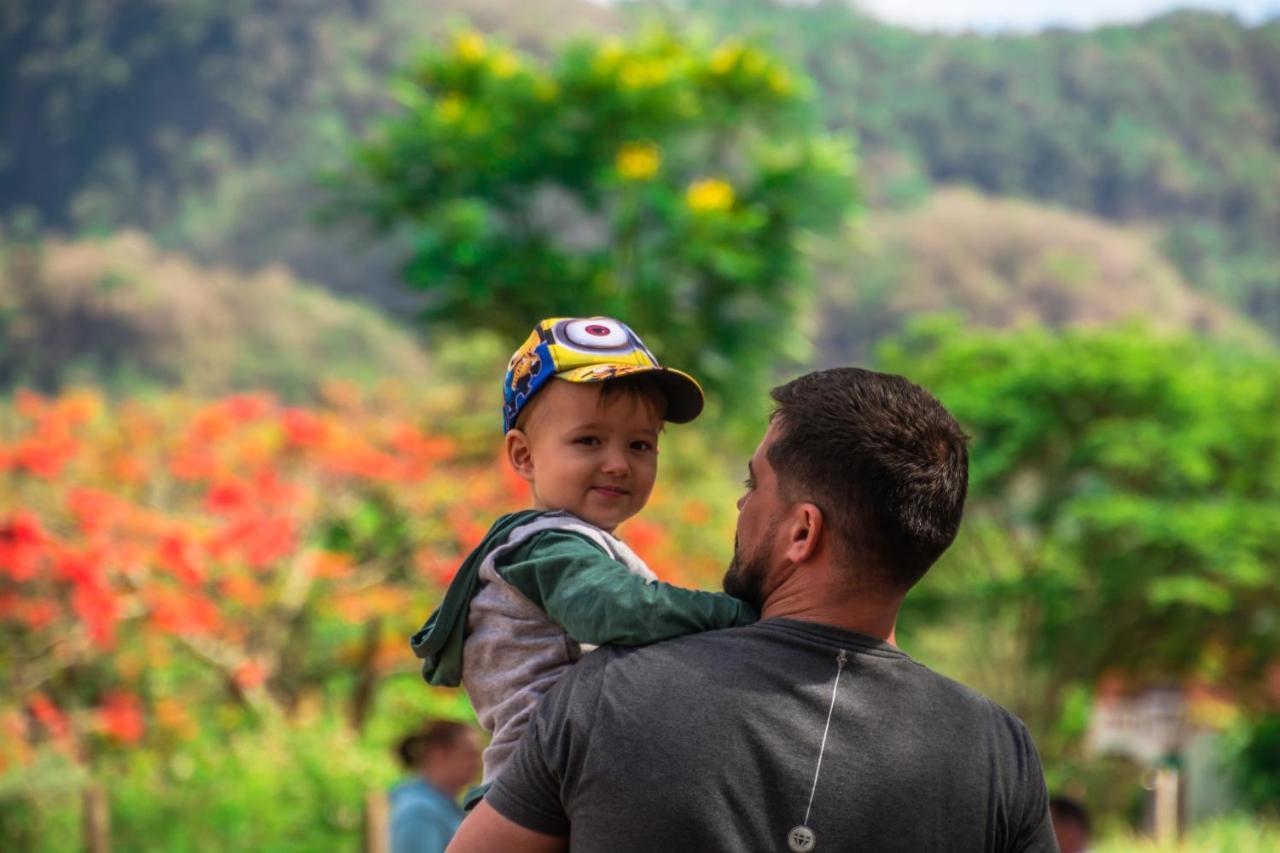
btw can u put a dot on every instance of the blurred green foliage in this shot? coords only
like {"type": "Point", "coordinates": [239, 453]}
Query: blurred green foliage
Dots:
{"type": "Point", "coordinates": [1134, 484]}
{"type": "Point", "coordinates": [211, 121]}
{"type": "Point", "coordinates": [1255, 754]}
{"type": "Point", "coordinates": [1234, 834]}
{"type": "Point", "coordinates": [297, 787]}
{"type": "Point", "coordinates": [155, 82]}
{"type": "Point", "coordinates": [1000, 263]}
{"type": "Point", "coordinates": [659, 180]}
{"type": "Point", "coordinates": [1173, 121]}
{"type": "Point", "coordinates": [120, 315]}
{"type": "Point", "coordinates": [1120, 525]}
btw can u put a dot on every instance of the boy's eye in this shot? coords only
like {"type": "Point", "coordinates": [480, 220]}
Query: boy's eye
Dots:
{"type": "Point", "coordinates": [589, 440]}
{"type": "Point", "coordinates": [749, 483]}
{"type": "Point", "coordinates": [642, 445]}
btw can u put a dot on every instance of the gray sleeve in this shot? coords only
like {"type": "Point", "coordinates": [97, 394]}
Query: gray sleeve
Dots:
{"type": "Point", "coordinates": [1034, 833]}
{"type": "Point", "coordinates": [537, 783]}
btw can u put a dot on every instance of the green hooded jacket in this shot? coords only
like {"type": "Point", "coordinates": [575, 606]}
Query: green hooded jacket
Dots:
{"type": "Point", "coordinates": [439, 642]}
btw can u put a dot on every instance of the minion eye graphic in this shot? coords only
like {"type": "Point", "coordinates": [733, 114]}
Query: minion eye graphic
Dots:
{"type": "Point", "coordinates": [594, 335]}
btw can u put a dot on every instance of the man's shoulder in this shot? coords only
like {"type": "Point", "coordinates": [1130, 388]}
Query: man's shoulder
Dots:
{"type": "Point", "coordinates": [761, 645]}
{"type": "Point", "coordinates": [963, 698]}
{"type": "Point", "coordinates": [689, 659]}
{"type": "Point", "coordinates": [675, 659]}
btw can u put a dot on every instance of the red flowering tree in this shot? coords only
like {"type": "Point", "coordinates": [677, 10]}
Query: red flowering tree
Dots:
{"type": "Point", "coordinates": [161, 559]}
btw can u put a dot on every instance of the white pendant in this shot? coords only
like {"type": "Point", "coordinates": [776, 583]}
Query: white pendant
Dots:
{"type": "Point", "coordinates": [800, 839]}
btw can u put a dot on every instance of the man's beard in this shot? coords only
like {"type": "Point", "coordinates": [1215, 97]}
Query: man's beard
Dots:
{"type": "Point", "coordinates": [745, 577]}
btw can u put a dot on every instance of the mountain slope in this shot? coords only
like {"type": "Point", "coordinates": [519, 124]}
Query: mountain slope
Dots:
{"type": "Point", "coordinates": [1002, 263]}
{"type": "Point", "coordinates": [121, 313]}
{"type": "Point", "coordinates": [1174, 122]}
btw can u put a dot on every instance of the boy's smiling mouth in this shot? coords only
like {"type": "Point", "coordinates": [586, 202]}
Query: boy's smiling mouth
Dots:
{"type": "Point", "coordinates": [611, 491]}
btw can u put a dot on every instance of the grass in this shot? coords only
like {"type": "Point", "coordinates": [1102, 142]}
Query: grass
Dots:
{"type": "Point", "coordinates": [1235, 834]}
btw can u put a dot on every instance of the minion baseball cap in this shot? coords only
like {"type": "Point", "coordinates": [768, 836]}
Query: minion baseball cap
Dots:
{"type": "Point", "coordinates": [591, 349]}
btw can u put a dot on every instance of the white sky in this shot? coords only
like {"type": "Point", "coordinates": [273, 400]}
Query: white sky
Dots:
{"type": "Point", "coordinates": [1021, 15]}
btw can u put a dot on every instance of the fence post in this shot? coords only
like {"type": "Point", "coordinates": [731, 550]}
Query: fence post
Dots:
{"type": "Point", "coordinates": [377, 835]}
{"type": "Point", "coordinates": [1166, 806]}
{"type": "Point", "coordinates": [97, 819]}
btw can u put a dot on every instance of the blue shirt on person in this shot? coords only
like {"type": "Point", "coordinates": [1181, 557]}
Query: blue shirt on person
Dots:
{"type": "Point", "coordinates": [422, 819]}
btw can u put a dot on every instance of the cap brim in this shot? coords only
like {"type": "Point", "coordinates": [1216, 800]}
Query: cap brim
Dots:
{"type": "Point", "coordinates": [684, 394]}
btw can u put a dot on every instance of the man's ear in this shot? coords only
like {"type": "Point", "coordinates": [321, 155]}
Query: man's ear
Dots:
{"type": "Point", "coordinates": [520, 453]}
{"type": "Point", "coordinates": [804, 532]}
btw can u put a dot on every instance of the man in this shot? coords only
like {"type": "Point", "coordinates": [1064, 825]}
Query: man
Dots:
{"type": "Point", "coordinates": [809, 730]}
{"type": "Point", "coordinates": [1070, 823]}
{"type": "Point", "coordinates": [445, 757]}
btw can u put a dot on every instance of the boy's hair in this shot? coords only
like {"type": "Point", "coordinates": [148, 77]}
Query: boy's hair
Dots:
{"type": "Point", "coordinates": [638, 387]}
{"type": "Point", "coordinates": [882, 459]}
{"type": "Point", "coordinates": [438, 734]}
{"type": "Point", "coordinates": [1068, 810]}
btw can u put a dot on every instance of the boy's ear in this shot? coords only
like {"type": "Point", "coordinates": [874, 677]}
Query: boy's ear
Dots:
{"type": "Point", "coordinates": [520, 453]}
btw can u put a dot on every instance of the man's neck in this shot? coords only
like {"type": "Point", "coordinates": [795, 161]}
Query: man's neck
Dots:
{"type": "Point", "coordinates": [833, 603]}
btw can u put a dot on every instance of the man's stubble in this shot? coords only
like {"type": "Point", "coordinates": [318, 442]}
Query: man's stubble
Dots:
{"type": "Point", "coordinates": [745, 577]}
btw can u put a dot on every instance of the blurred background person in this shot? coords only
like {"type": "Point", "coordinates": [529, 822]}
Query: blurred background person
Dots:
{"type": "Point", "coordinates": [1070, 824]}
{"type": "Point", "coordinates": [444, 757]}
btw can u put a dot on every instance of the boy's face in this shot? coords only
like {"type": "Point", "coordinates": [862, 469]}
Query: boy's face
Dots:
{"type": "Point", "coordinates": [596, 460]}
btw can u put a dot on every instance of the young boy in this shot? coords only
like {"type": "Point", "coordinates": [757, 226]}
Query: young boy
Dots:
{"type": "Point", "coordinates": [584, 401]}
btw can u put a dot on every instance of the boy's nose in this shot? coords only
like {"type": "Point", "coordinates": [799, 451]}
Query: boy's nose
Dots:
{"type": "Point", "coordinates": [615, 463]}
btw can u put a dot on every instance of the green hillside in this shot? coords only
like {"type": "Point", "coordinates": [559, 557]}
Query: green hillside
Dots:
{"type": "Point", "coordinates": [207, 126]}
{"type": "Point", "coordinates": [1002, 263]}
{"type": "Point", "coordinates": [1173, 123]}
{"type": "Point", "coordinates": [121, 313]}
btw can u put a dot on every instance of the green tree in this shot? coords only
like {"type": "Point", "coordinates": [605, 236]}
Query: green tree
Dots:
{"type": "Point", "coordinates": [658, 180]}
{"type": "Point", "coordinates": [1170, 122]}
{"type": "Point", "coordinates": [1123, 506]}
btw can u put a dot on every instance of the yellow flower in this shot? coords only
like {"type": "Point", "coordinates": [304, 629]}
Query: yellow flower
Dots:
{"type": "Point", "coordinates": [725, 57]}
{"type": "Point", "coordinates": [505, 65]}
{"type": "Point", "coordinates": [638, 161]}
{"type": "Point", "coordinates": [609, 55]}
{"type": "Point", "coordinates": [640, 74]}
{"type": "Point", "coordinates": [545, 90]}
{"type": "Point", "coordinates": [449, 109]}
{"type": "Point", "coordinates": [780, 82]}
{"type": "Point", "coordinates": [633, 76]}
{"type": "Point", "coordinates": [469, 46]}
{"type": "Point", "coordinates": [709, 195]}
{"type": "Point", "coordinates": [754, 63]}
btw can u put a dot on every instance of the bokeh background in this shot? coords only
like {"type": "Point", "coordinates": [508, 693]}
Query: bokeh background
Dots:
{"type": "Point", "coordinates": [261, 264]}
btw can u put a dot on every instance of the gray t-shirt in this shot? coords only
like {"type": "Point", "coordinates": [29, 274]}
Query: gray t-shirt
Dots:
{"type": "Point", "coordinates": [711, 742]}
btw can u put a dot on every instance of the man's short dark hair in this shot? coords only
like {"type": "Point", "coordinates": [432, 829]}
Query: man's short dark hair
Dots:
{"type": "Point", "coordinates": [882, 459]}
{"type": "Point", "coordinates": [437, 734]}
{"type": "Point", "coordinates": [1065, 810]}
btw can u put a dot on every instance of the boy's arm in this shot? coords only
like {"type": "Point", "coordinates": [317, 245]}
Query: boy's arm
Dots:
{"type": "Point", "coordinates": [597, 600]}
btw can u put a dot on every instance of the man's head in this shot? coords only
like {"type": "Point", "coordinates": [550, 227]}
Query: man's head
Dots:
{"type": "Point", "coordinates": [445, 753]}
{"type": "Point", "coordinates": [1070, 824]}
{"type": "Point", "coordinates": [584, 403]}
{"type": "Point", "coordinates": [866, 468]}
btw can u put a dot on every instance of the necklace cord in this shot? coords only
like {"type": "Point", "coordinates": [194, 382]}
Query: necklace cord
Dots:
{"type": "Point", "coordinates": [835, 686]}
